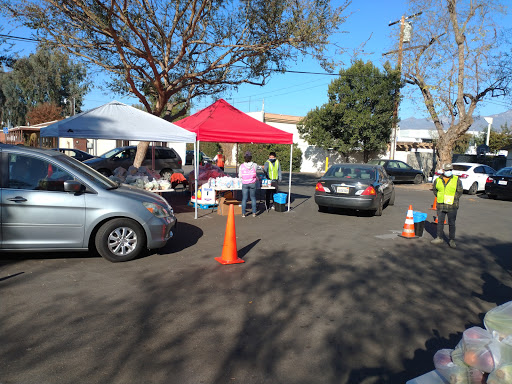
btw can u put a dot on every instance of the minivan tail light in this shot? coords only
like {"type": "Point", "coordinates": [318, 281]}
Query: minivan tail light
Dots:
{"type": "Point", "coordinates": [370, 191]}
{"type": "Point", "coordinates": [319, 187]}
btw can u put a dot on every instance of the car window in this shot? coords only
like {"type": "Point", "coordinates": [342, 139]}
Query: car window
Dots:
{"type": "Point", "coordinates": [346, 172]}
{"type": "Point", "coordinates": [504, 172]}
{"type": "Point", "coordinates": [459, 167]}
{"type": "Point", "coordinates": [479, 170]}
{"type": "Point", "coordinates": [489, 170]}
{"type": "Point", "coordinates": [392, 165]}
{"type": "Point", "coordinates": [127, 154]}
{"type": "Point", "coordinates": [165, 153]}
{"type": "Point", "coordinates": [403, 165]}
{"type": "Point", "coordinates": [30, 173]}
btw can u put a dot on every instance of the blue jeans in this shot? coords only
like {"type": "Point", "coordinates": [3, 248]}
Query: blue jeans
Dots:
{"type": "Point", "coordinates": [246, 190]}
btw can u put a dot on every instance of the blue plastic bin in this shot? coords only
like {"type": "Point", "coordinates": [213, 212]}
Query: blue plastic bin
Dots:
{"type": "Point", "coordinates": [419, 222]}
{"type": "Point", "coordinates": [280, 198]}
{"type": "Point", "coordinates": [419, 216]}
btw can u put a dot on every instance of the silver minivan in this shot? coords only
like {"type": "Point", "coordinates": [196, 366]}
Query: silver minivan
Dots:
{"type": "Point", "coordinates": [52, 202]}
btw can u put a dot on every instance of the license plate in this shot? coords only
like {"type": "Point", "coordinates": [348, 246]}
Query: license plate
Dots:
{"type": "Point", "coordinates": [502, 182]}
{"type": "Point", "coordinates": [342, 190]}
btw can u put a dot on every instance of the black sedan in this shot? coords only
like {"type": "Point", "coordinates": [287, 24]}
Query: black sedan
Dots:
{"type": "Point", "coordinates": [400, 171]}
{"type": "Point", "coordinates": [75, 153]}
{"type": "Point", "coordinates": [500, 184]}
{"type": "Point", "coordinates": [355, 186]}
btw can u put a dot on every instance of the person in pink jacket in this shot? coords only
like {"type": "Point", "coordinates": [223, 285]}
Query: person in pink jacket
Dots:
{"type": "Point", "coordinates": [247, 172]}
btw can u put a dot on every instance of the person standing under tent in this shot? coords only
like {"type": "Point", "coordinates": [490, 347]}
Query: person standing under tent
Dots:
{"type": "Point", "coordinates": [272, 169]}
{"type": "Point", "coordinates": [219, 160]}
{"type": "Point", "coordinates": [247, 173]}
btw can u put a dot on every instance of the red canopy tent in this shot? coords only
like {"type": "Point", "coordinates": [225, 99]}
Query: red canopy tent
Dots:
{"type": "Point", "coordinates": [223, 123]}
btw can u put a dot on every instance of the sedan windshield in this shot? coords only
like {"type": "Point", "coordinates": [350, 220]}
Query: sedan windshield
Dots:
{"type": "Point", "coordinates": [347, 172]}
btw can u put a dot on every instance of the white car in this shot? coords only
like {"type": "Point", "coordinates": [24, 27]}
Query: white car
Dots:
{"type": "Point", "coordinates": [473, 176]}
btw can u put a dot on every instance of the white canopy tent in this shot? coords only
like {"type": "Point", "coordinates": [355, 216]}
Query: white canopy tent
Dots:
{"type": "Point", "coordinates": [118, 121]}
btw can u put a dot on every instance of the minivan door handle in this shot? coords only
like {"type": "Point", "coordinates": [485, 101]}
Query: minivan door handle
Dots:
{"type": "Point", "coordinates": [17, 199]}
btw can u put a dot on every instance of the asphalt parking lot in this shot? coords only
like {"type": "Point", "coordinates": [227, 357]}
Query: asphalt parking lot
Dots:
{"type": "Point", "coordinates": [321, 298]}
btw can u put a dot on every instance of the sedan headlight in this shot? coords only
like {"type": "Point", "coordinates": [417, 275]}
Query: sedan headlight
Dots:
{"type": "Point", "coordinates": [157, 210]}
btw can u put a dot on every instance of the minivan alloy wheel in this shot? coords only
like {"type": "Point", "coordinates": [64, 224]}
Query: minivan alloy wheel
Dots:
{"type": "Point", "coordinates": [120, 240]}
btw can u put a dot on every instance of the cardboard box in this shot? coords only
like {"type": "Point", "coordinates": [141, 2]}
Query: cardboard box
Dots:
{"type": "Point", "coordinates": [223, 208]}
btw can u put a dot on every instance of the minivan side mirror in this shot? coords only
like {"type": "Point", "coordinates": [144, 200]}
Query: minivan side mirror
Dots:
{"type": "Point", "coordinates": [73, 186]}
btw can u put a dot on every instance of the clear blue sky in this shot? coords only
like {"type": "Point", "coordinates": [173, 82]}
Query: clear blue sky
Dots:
{"type": "Point", "coordinates": [296, 94]}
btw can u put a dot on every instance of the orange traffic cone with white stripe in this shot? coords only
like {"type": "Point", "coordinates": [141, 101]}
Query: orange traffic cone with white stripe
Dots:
{"type": "Point", "coordinates": [408, 231]}
{"type": "Point", "coordinates": [434, 206]}
{"type": "Point", "coordinates": [229, 252]}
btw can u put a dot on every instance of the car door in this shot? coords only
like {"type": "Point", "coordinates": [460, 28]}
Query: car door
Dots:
{"type": "Point", "coordinates": [386, 184]}
{"type": "Point", "coordinates": [124, 158]}
{"type": "Point", "coordinates": [36, 212]}
{"type": "Point", "coordinates": [480, 177]}
{"type": "Point", "coordinates": [392, 168]}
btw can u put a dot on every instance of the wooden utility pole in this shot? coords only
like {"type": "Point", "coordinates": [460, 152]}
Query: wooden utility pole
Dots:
{"type": "Point", "coordinates": [399, 66]}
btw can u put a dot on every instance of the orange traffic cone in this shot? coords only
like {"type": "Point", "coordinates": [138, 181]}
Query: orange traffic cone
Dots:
{"type": "Point", "coordinates": [435, 220]}
{"type": "Point", "coordinates": [229, 252]}
{"type": "Point", "coordinates": [408, 231]}
{"type": "Point", "coordinates": [434, 207]}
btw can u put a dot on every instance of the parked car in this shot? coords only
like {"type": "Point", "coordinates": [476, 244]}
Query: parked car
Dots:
{"type": "Point", "coordinates": [167, 160]}
{"type": "Point", "coordinates": [52, 202]}
{"type": "Point", "coordinates": [189, 158]}
{"type": "Point", "coordinates": [75, 153]}
{"type": "Point", "coordinates": [474, 176]}
{"type": "Point", "coordinates": [402, 172]}
{"type": "Point", "coordinates": [500, 184]}
{"type": "Point", "coordinates": [355, 186]}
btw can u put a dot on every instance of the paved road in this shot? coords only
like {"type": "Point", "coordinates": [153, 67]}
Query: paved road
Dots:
{"type": "Point", "coordinates": [321, 298]}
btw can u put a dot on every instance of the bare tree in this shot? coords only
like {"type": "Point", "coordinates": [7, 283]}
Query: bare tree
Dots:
{"type": "Point", "coordinates": [452, 59]}
{"type": "Point", "coordinates": [168, 52]}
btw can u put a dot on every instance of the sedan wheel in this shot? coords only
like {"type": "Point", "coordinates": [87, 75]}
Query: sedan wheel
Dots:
{"type": "Point", "coordinates": [120, 240]}
{"type": "Point", "coordinates": [473, 189]}
{"type": "Point", "coordinates": [418, 179]}
{"type": "Point", "coordinates": [380, 207]}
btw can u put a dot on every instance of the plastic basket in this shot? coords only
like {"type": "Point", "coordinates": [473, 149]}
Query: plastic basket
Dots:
{"type": "Point", "coordinates": [280, 198]}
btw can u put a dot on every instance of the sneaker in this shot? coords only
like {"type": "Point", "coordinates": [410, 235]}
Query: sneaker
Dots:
{"type": "Point", "coordinates": [243, 215]}
{"type": "Point", "coordinates": [253, 215]}
{"type": "Point", "coordinates": [272, 207]}
{"type": "Point", "coordinates": [437, 241]}
{"type": "Point", "coordinates": [452, 244]}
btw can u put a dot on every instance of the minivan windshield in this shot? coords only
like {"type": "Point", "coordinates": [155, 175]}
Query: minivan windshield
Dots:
{"type": "Point", "coordinates": [87, 172]}
{"type": "Point", "coordinates": [109, 154]}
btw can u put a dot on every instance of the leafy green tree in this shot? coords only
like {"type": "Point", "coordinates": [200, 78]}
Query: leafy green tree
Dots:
{"type": "Point", "coordinates": [260, 154]}
{"type": "Point", "coordinates": [497, 139]}
{"type": "Point", "coordinates": [359, 111]}
{"type": "Point", "coordinates": [463, 143]}
{"type": "Point", "coordinates": [157, 49]}
{"type": "Point", "coordinates": [47, 76]}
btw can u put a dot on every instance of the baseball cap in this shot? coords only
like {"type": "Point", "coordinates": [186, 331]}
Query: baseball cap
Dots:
{"type": "Point", "coordinates": [448, 167]}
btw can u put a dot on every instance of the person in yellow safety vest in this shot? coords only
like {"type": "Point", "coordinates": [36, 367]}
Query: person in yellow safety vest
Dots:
{"type": "Point", "coordinates": [448, 190]}
{"type": "Point", "coordinates": [219, 159]}
{"type": "Point", "coordinates": [272, 169]}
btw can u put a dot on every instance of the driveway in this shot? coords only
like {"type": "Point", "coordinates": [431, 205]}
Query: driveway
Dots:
{"type": "Point", "coordinates": [321, 298]}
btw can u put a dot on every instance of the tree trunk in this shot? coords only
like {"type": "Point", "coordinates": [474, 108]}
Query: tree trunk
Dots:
{"type": "Point", "coordinates": [142, 148]}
